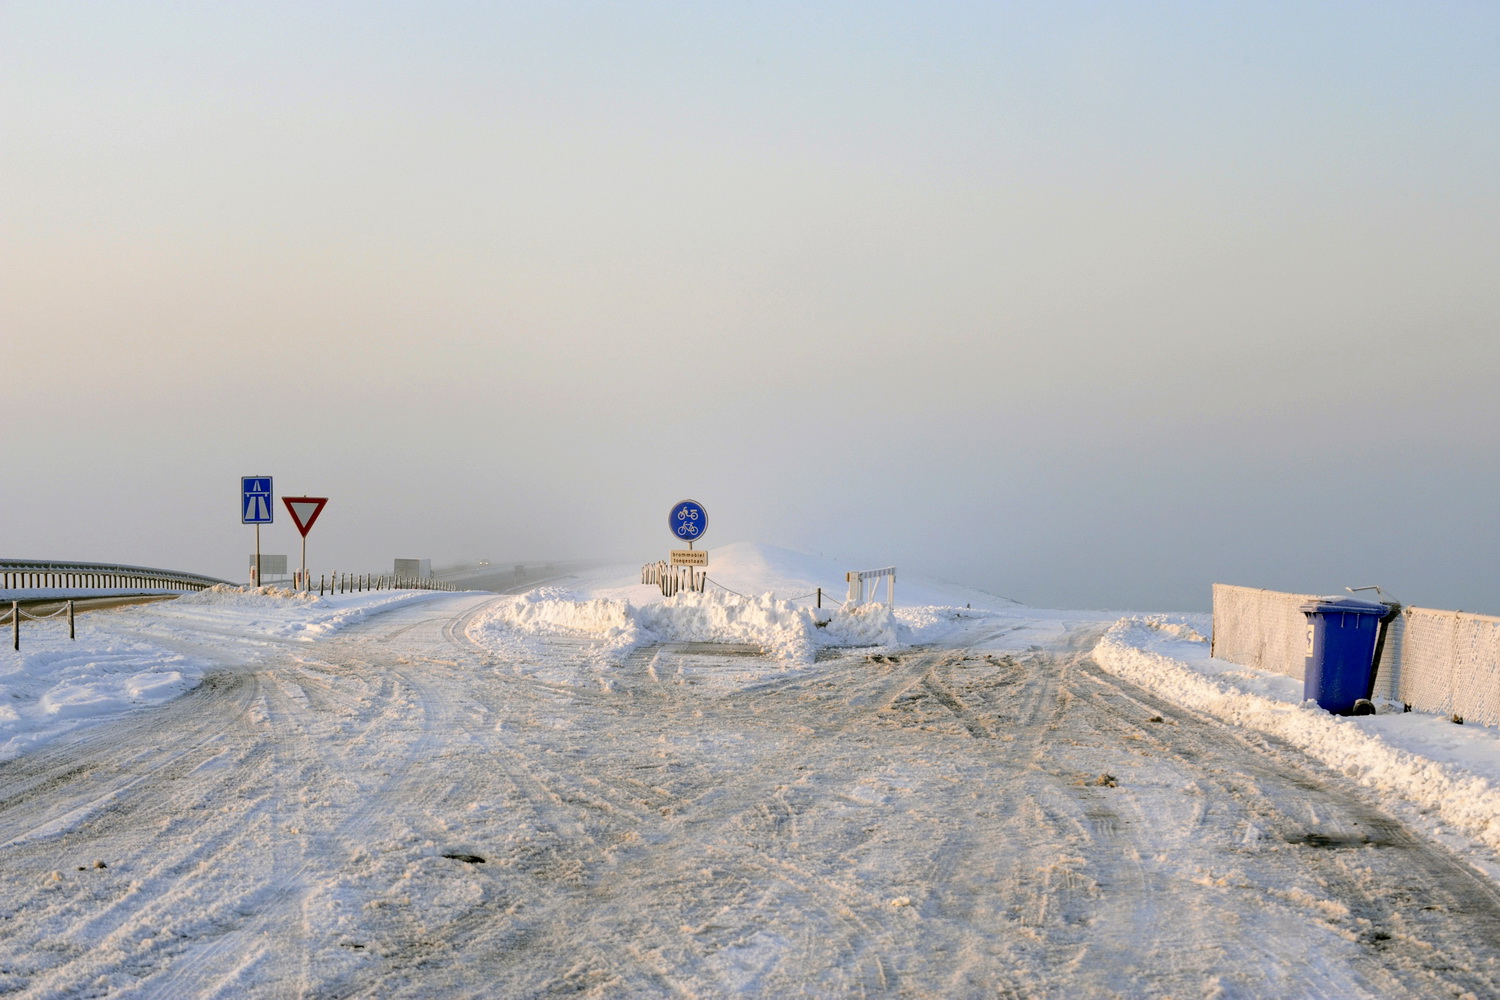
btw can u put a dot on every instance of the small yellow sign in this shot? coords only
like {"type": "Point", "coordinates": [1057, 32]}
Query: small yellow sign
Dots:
{"type": "Point", "coordinates": [689, 557]}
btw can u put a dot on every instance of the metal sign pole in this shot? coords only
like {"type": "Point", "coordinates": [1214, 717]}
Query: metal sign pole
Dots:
{"type": "Point", "coordinates": [257, 556]}
{"type": "Point", "coordinates": [304, 562]}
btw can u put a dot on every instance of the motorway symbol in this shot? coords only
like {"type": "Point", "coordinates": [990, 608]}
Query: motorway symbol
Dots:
{"type": "Point", "coordinates": [688, 520]}
{"type": "Point", "coordinates": [256, 507]}
{"type": "Point", "coordinates": [304, 511]}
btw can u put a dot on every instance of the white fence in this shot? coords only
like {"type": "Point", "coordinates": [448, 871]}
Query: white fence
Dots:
{"type": "Point", "coordinates": [672, 579]}
{"type": "Point", "coordinates": [858, 579]}
{"type": "Point", "coordinates": [1435, 661]}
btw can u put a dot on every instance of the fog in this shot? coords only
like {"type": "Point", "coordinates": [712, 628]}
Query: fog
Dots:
{"type": "Point", "coordinates": [1088, 305]}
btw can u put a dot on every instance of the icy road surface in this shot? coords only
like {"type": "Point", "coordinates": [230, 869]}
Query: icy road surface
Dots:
{"type": "Point", "coordinates": [396, 812]}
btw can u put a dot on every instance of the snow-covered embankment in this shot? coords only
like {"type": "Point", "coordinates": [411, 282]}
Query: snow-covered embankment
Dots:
{"type": "Point", "coordinates": [133, 657]}
{"type": "Point", "coordinates": [1449, 774]}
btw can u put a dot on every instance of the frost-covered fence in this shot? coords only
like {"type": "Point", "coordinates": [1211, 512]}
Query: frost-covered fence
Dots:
{"type": "Point", "coordinates": [1435, 661]}
{"type": "Point", "coordinates": [355, 583]}
{"type": "Point", "coordinates": [673, 579]}
{"type": "Point", "coordinates": [1450, 663]}
{"type": "Point", "coordinates": [23, 574]}
{"type": "Point", "coordinates": [1260, 628]}
{"type": "Point", "coordinates": [17, 613]}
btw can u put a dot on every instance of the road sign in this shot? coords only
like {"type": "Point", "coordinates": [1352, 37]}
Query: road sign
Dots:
{"type": "Point", "coordinates": [689, 557]}
{"type": "Point", "coordinates": [304, 511]}
{"type": "Point", "coordinates": [688, 520]}
{"type": "Point", "coordinates": [256, 506]}
{"type": "Point", "coordinates": [273, 566]}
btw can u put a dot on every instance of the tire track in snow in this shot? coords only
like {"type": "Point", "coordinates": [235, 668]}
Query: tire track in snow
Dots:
{"type": "Point", "coordinates": [695, 813]}
{"type": "Point", "coordinates": [1321, 822]}
{"type": "Point", "coordinates": [666, 839]}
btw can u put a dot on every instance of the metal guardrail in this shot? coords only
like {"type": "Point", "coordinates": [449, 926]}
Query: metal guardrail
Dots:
{"type": "Point", "coordinates": [24, 574]}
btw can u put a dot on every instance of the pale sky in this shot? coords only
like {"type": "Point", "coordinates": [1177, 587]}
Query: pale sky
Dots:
{"type": "Point", "coordinates": [1088, 304]}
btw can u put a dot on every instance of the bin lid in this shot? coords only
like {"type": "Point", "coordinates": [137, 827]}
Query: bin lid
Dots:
{"type": "Point", "coordinates": [1347, 605]}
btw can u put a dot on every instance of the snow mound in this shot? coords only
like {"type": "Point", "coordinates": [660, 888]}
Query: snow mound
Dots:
{"type": "Point", "coordinates": [52, 686]}
{"type": "Point", "coordinates": [1414, 762]}
{"type": "Point", "coordinates": [229, 596]}
{"type": "Point", "coordinates": [785, 630]}
{"type": "Point", "coordinates": [760, 595]}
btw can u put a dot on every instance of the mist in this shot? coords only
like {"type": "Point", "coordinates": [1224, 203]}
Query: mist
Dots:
{"type": "Point", "coordinates": [1089, 306]}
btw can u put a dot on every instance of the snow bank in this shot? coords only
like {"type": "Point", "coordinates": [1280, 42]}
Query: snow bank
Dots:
{"type": "Point", "coordinates": [758, 595]}
{"type": "Point", "coordinates": [132, 657]}
{"type": "Point", "coordinates": [785, 630]}
{"type": "Point", "coordinates": [273, 611]}
{"type": "Point", "coordinates": [50, 686]}
{"type": "Point", "coordinates": [1412, 760]}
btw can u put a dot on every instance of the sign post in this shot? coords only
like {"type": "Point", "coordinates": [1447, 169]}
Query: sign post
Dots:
{"type": "Point", "coordinates": [688, 521]}
{"type": "Point", "coordinates": [304, 511]}
{"type": "Point", "coordinates": [256, 509]}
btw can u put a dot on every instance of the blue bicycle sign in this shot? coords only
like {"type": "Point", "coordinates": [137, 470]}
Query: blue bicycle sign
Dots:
{"type": "Point", "coordinates": [688, 520]}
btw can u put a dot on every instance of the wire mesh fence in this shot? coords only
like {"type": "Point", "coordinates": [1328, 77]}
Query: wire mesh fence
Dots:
{"type": "Point", "coordinates": [1450, 663]}
{"type": "Point", "coordinates": [1446, 662]}
{"type": "Point", "coordinates": [1260, 628]}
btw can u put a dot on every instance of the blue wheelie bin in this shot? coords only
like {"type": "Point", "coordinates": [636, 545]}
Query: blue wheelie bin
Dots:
{"type": "Point", "coordinates": [1341, 634]}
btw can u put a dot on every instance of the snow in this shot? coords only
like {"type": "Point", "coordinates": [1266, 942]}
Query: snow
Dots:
{"type": "Point", "coordinates": [1444, 778]}
{"type": "Point", "coordinates": [139, 656]}
{"type": "Point", "coordinates": [758, 595]}
{"type": "Point", "coordinates": [590, 788]}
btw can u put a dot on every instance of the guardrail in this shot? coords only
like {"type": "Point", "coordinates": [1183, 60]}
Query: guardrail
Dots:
{"type": "Point", "coordinates": [24, 574]}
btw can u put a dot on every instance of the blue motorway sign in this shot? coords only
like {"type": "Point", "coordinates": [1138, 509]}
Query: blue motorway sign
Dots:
{"type": "Point", "coordinates": [256, 507]}
{"type": "Point", "coordinates": [688, 520]}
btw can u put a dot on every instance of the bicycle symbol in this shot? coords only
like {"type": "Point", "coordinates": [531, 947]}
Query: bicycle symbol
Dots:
{"type": "Point", "coordinates": [688, 520]}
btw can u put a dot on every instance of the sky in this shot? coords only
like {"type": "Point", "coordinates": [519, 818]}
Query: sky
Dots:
{"type": "Point", "coordinates": [1087, 304]}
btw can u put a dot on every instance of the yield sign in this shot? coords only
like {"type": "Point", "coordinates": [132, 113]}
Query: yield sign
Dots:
{"type": "Point", "coordinates": [304, 511]}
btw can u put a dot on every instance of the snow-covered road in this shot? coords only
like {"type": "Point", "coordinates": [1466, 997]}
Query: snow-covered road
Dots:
{"type": "Point", "coordinates": [396, 811]}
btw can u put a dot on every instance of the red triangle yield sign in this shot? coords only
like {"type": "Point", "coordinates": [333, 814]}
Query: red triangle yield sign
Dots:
{"type": "Point", "coordinates": [304, 511]}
